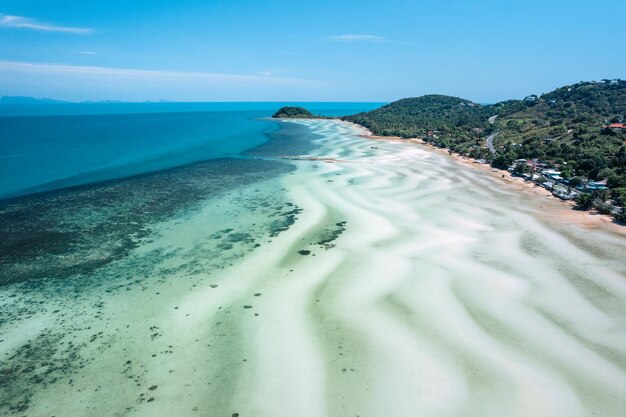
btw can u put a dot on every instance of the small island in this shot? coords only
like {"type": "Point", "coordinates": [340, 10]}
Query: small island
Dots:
{"type": "Point", "coordinates": [293, 112]}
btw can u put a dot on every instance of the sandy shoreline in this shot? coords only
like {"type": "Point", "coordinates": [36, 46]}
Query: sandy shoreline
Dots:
{"type": "Point", "coordinates": [387, 280]}
{"type": "Point", "coordinates": [435, 248]}
{"type": "Point", "coordinates": [554, 209]}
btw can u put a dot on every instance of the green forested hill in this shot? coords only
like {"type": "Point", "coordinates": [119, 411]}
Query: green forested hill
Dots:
{"type": "Point", "coordinates": [565, 127]}
{"type": "Point", "coordinates": [412, 117]}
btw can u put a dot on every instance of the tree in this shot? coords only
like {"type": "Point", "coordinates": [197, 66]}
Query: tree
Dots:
{"type": "Point", "coordinates": [600, 195]}
{"type": "Point", "coordinates": [616, 180]}
{"type": "Point", "coordinates": [619, 196]}
{"type": "Point", "coordinates": [604, 208]}
{"type": "Point", "coordinates": [584, 201]}
{"type": "Point", "coordinates": [620, 157]}
{"type": "Point", "coordinates": [503, 161]}
{"type": "Point", "coordinates": [576, 181]}
{"type": "Point", "coordinates": [521, 168]}
{"type": "Point", "coordinates": [567, 172]}
{"type": "Point", "coordinates": [605, 173]}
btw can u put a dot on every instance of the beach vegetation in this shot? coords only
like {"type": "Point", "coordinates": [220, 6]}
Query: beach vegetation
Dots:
{"type": "Point", "coordinates": [620, 215]}
{"type": "Point", "coordinates": [619, 196]}
{"type": "Point", "coordinates": [577, 129]}
{"type": "Point", "coordinates": [584, 201]}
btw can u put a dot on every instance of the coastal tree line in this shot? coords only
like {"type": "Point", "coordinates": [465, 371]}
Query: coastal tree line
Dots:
{"type": "Point", "coordinates": [578, 129]}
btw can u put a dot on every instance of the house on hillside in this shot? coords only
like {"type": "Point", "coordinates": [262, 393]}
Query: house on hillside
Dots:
{"type": "Point", "coordinates": [616, 126]}
{"type": "Point", "coordinates": [531, 99]}
{"type": "Point", "coordinates": [597, 185]}
{"type": "Point", "coordinates": [564, 193]}
{"type": "Point", "coordinates": [552, 174]}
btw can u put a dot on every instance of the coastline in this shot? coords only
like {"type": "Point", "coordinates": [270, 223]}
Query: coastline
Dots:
{"type": "Point", "coordinates": [434, 262]}
{"type": "Point", "coordinates": [561, 211]}
{"type": "Point", "coordinates": [345, 286]}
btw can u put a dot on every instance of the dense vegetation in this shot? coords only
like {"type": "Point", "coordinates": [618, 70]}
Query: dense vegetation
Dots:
{"type": "Point", "coordinates": [411, 117]}
{"type": "Point", "coordinates": [565, 128]}
{"type": "Point", "coordinates": [292, 112]}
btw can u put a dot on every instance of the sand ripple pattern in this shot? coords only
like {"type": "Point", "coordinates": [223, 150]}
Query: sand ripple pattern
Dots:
{"type": "Point", "coordinates": [447, 295]}
{"type": "Point", "coordinates": [402, 284]}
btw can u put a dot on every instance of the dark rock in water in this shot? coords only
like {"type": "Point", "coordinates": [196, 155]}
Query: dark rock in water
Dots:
{"type": "Point", "coordinates": [286, 219]}
{"type": "Point", "coordinates": [240, 237]}
{"type": "Point", "coordinates": [247, 306]}
{"type": "Point", "coordinates": [304, 252]}
{"type": "Point", "coordinates": [257, 294]}
{"type": "Point", "coordinates": [329, 235]}
{"type": "Point", "coordinates": [152, 388]}
{"type": "Point", "coordinates": [37, 363]}
{"type": "Point", "coordinates": [225, 246]}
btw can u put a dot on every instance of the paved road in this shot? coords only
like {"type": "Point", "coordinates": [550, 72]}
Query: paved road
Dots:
{"type": "Point", "coordinates": [490, 139]}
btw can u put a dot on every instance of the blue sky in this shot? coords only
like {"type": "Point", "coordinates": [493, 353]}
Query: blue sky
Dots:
{"type": "Point", "coordinates": [238, 50]}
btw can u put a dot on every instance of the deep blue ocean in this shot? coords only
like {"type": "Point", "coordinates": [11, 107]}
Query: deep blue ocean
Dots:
{"type": "Point", "coordinates": [52, 146]}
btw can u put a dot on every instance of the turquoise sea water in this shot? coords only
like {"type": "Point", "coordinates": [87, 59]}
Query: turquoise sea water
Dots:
{"type": "Point", "coordinates": [77, 191]}
{"type": "Point", "coordinates": [52, 146]}
{"type": "Point", "coordinates": [343, 283]}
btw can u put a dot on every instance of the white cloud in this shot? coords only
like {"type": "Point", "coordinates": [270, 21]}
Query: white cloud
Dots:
{"type": "Point", "coordinates": [51, 68]}
{"type": "Point", "coordinates": [351, 37]}
{"type": "Point", "coordinates": [27, 23]}
{"type": "Point", "coordinates": [77, 82]}
{"type": "Point", "coordinates": [87, 53]}
{"type": "Point", "coordinates": [274, 72]}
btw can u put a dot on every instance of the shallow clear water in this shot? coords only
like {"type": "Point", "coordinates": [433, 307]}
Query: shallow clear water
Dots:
{"type": "Point", "coordinates": [371, 278]}
{"type": "Point", "coordinates": [75, 261]}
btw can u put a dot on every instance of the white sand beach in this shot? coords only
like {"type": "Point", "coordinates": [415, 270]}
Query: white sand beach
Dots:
{"type": "Point", "coordinates": [409, 285]}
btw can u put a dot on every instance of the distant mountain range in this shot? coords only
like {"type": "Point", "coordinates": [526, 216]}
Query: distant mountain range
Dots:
{"type": "Point", "coordinates": [28, 100]}
{"type": "Point", "coordinates": [34, 100]}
